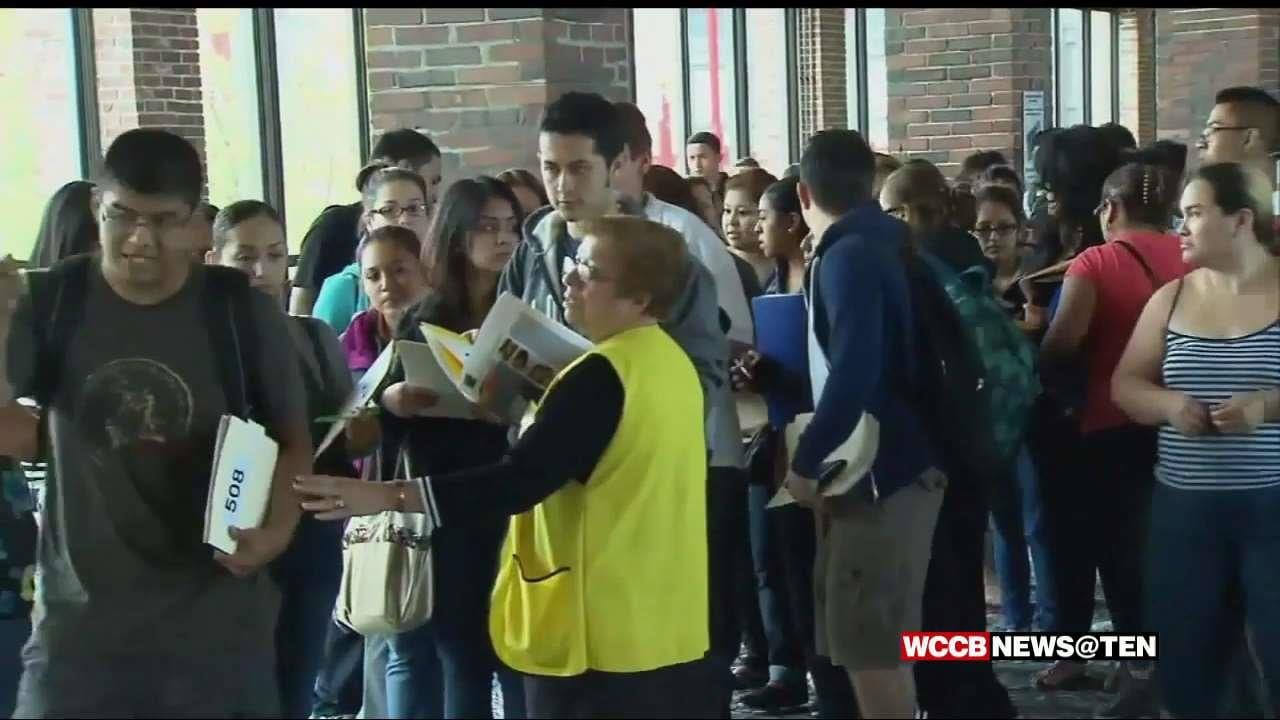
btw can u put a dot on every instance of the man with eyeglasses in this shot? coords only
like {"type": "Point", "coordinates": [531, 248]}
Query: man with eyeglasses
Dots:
{"type": "Point", "coordinates": [134, 354]}
{"type": "Point", "coordinates": [330, 243]}
{"type": "Point", "coordinates": [1244, 127]}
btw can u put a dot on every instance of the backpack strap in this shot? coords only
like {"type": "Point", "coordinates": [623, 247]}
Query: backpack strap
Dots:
{"type": "Point", "coordinates": [233, 334]}
{"type": "Point", "coordinates": [57, 304]}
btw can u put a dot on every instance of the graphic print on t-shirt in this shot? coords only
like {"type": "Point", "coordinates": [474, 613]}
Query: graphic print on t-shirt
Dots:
{"type": "Point", "coordinates": [132, 401]}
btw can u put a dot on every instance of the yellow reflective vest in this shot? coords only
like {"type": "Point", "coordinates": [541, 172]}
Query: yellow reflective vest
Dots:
{"type": "Point", "coordinates": [611, 574]}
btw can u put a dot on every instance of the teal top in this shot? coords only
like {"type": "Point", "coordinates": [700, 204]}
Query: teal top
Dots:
{"type": "Point", "coordinates": [341, 298]}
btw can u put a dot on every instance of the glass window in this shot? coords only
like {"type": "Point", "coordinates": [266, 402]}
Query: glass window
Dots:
{"type": "Point", "coordinates": [660, 82]}
{"type": "Point", "coordinates": [877, 82]}
{"type": "Point", "coordinates": [1070, 41]}
{"type": "Point", "coordinates": [319, 119]}
{"type": "Point", "coordinates": [767, 88]}
{"type": "Point", "coordinates": [1127, 73]}
{"type": "Point", "coordinates": [1101, 74]}
{"type": "Point", "coordinates": [711, 78]}
{"type": "Point", "coordinates": [229, 84]}
{"type": "Point", "coordinates": [40, 128]}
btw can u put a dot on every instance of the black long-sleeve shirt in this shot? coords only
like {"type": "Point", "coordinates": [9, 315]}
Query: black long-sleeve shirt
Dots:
{"type": "Point", "coordinates": [574, 426]}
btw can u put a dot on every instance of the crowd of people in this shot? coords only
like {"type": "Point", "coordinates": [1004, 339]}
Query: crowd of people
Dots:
{"type": "Point", "coordinates": [618, 554]}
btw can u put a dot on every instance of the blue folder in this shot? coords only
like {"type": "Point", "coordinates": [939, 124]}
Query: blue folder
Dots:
{"type": "Point", "coordinates": [782, 327]}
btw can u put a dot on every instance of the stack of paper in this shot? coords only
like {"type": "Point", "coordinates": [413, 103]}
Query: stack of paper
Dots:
{"type": "Point", "coordinates": [244, 465]}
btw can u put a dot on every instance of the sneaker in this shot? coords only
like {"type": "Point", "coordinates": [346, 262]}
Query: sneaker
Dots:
{"type": "Point", "coordinates": [748, 678]}
{"type": "Point", "coordinates": [776, 696]}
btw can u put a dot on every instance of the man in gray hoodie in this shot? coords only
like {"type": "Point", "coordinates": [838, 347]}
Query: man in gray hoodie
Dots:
{"type": "Point", "coordinates": [580, 147]}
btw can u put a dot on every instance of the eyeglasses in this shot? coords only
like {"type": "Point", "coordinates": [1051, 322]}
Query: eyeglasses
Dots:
{"type": "Point", "coordinates": [119, 221]}
{"type": "Point", "coordinates": [986, 231]}
{"type": "Point", "coordinates": [1211, 129]}
{"type": "Point", "coordinates": [584, 269]}
{"type": "Point", "coordinates": [898, 211]}
{"type": "Point", "coordinates": [393, 212]}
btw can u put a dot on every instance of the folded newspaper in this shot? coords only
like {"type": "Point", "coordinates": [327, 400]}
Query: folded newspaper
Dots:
{"type": "Point", "coordinates": [244, 465]}
{"type": "Point", "coordinates": [513, 359]}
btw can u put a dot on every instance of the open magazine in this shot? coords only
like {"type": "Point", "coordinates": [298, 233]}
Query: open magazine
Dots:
{"type": "Point", "coordinates": [244, 465]}
{"type": "Point", "coordinates": [515, 356]}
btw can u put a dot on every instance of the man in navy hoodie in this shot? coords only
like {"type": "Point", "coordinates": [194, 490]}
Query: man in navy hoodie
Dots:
{"type": "Point", "coordinates": [874, 541]}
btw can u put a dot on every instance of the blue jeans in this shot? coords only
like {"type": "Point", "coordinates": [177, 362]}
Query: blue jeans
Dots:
{"type": "Point", "coordinates": [1212, 568]}
{"type": "Point", "coordinates": [786, 653]}
{"type": "Point", "coordinates": [13, 636]}
{"type": "Point", "coordinates": [446, 667]}
{"type": "Point", "coordinates": [1019, 526]}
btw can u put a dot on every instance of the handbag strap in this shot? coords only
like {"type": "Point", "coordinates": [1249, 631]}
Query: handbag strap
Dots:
{"type": "Point", "coordinates": [1151, 276]}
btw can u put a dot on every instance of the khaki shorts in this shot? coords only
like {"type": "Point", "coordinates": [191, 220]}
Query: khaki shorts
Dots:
{"type": "Point", "coordinates": [869, 574]}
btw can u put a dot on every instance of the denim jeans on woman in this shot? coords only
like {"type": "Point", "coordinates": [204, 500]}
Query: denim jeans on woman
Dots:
{"type": "Point", "coordinates": [1017, 517]}
{"type": "Point", "coordinates": [447, 666]}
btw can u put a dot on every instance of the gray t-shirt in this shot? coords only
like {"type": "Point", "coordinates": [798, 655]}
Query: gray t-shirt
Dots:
{"type": "Point", "coordinates": [133, 616]}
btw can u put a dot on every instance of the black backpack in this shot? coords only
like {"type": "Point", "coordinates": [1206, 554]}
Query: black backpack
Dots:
{"type": "Point", "coordinates": [951, 393]}
{"type": "Point", "coordinates": [58, 297]}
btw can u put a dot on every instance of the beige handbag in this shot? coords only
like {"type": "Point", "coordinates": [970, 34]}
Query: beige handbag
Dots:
{"type": "Point", "coordinates": [387, 585]}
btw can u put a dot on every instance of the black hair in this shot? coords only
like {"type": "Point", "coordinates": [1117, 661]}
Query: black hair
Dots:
{"type": "Point", "coordinates": [445, 252]}
{"type": "Point", "coordinates": [635, 131]}
{"type": "Point", "coordinates": [838, 167]}
{"type": "Point", "coordinates": [209, 211]}
{"type": "Point", "coordinates": [1168, 154]}
{"type": "Point", "coordinates": [782, 195]}
{"type": "Point", "coordinates": [668, 186]}
{"type": "Point", "coordinates": [747, 162]}
{"type": "Point", "coordinates": [1261, 105]}
{"type": "Point", "coordinates": [793, 170]}
{"type": "Point", "coordinates": [68, 226]}
{"type": "Point", "coordinates": [519, 177]}
{"type": "Point", "coordinates": [405, 145]}
{"type": "Point", "coordinates": [1002, 195]}
{"type": "Point", "coordinates": [589, 114]}
{"type": "Point", "coordinates": [1236, 188]}
{"type": "Point", "coordinates": [1119, 136]}
{"type": "Point", "coordinates": [1147, 193]}
{"type": "Point", "coordinates": [152, 161]}
{"type": "Point", "coordinates": [978, 162]}
{"type": "Point", "coordinates": [705, 138]}
{"type": "Point", "coordinates": [236, 214]}
{"type": "Point", "coordinates": [1074, 163]}
{"type": "Point", "coordinates": [399, 235]}
{"type": "Point", "coordinates": [1001, 174]}
{"type": "Point", "coordinates": [935, 204]}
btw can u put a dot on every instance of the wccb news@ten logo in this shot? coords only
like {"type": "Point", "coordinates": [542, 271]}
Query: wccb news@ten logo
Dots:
{"type": "Point", "coordinates": [983, 646]}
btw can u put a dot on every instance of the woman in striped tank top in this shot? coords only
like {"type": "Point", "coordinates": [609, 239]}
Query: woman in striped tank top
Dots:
{"type": "Point", "coordinates": [1204, 365]}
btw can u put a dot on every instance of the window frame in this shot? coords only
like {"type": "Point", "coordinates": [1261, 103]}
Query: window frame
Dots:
{"type": "Point", "coordinates": [1113, 16]}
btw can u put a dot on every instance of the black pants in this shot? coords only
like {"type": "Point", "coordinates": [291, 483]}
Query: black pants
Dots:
{"type": "Point", "coordinates": [678, 691]}
{"type": "Point", "coordinates": [795, 538]}
{"type": "Point", "coordinates": [1058, 456]}
{"type": "Point", "coordinates": [954, 600]}
{"type": "Point", "coordinates": [339, 686]}
{"type": "Point", "coordinates": [770, 594]}
{"type": "Point", "coordinates": [728, 561]}
{"type": "Point", "coordinates": [1100, 516]}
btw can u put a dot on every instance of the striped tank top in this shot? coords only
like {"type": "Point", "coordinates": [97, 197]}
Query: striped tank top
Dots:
{"type": "Point", "coordinates": [1211, 371]}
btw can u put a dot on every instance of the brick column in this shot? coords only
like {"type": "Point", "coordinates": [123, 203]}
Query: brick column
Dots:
{"type": "Point", "coordinates": [956, 77]}
{"type": "Point", "coordinates": [1201, 51]}
{"type": "Point", "coordinates": [478, 79]}
{"type": "Point", "coordinates": [823, 92]}
{"type": "Point", "coordinates": [148, 65]}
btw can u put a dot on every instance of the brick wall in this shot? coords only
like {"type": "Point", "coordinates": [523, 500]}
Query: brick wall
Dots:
{"type": "Point", "coordinates": [1201, 51]}
{"type": "Point", "coordinates": [956, 77]}
{"type": "Point", "coordinates": [821, 53]}
{"type": "Point", "coordinates": [148, 65]}
{"type": "Point", "coordinates": [478, 79]}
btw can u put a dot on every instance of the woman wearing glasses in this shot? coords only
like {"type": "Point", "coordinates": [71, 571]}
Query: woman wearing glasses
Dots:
{"type": "Point", "coordinates": [1103, 294]}
{"type": "Point", "coordinates": [475, 231]}
{"type": "Point", "coordinates": [391, 196]}
{"type": "Point", "coordinates": [601, 600]}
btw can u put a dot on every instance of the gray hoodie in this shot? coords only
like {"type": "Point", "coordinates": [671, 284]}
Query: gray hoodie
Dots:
{"type": "Point", "coordinates": [534, 273]}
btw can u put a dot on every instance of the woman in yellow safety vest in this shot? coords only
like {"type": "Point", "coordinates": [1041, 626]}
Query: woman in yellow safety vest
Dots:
{"type": "Point", "coordinates": [602, 597]}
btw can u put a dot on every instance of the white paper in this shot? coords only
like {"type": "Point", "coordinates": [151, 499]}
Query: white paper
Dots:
{"type": "Point", "coordinates": [423, 368]}
{"type": "Point", "coordinates": [366, 387]}
{"type": "Point", "coordinates": [244, 465]}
